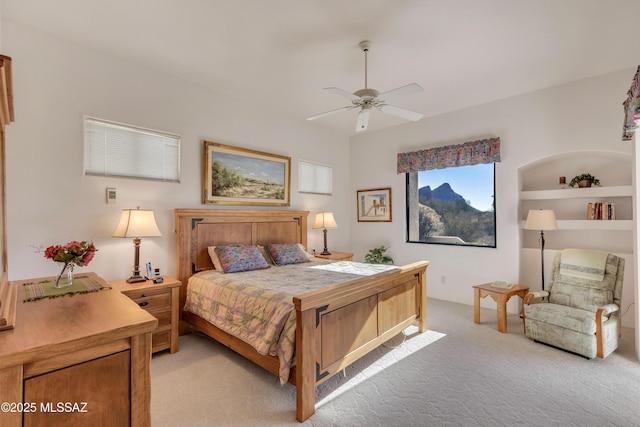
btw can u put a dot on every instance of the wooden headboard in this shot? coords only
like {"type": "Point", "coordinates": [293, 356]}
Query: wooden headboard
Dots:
{"type": "Point", "coordinates": [197, 229]}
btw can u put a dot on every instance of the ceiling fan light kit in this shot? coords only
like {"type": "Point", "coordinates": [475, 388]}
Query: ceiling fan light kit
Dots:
{"type": "Point", "coordinates": [368, 98]}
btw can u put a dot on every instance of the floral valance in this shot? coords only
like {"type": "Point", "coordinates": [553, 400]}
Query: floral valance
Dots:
{"type": "Point", "coordinates": [469, 153]}
{"type": "Point", "coordinates": [632, 108]}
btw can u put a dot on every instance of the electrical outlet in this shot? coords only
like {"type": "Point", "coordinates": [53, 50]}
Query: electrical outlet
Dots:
{"type": "Point", "coordinates": [443, 279]}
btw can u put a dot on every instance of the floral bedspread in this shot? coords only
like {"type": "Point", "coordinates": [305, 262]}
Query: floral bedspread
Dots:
{"type": "Point", "coordinates": [257, 306]}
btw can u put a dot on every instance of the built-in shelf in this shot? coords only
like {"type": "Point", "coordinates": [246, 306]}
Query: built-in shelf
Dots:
{"type": "Point", "coordinates": [539, 189]}
{"type": "Point", "coordinates": [618, 224]}
{"type": "Point", "coordinates": [576, 224]}
{"type": "Point", "coordinates": [578, 193]}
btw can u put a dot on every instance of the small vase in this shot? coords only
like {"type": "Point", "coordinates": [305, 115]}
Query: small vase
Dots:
{"type": "Point", "coordinates": [584, 183]}
{"type": "Point", "coordinates": [68, 281]}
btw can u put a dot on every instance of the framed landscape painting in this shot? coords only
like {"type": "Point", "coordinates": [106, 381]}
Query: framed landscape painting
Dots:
{"type": "Point", "coordinates": [239, 176]}
{"type": "Point", "coordinates": [374, 205]}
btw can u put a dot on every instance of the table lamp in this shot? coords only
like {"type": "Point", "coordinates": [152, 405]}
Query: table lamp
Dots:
{"type": "Point", "coordinates": [541, 219]}
{"type": "Point", "coordinates": [324, 220]}
{"type": "Point", "coordinates": [137, 223]}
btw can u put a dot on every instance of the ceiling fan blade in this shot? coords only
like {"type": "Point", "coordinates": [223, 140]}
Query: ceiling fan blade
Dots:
{"type": "Point", "coordinates": [401, 112]}
{"type": "Point", "coordinates": [342, 92]}
{"type": "Point", "coordinates": [363, 120]}
{"type": "Point", "coordinates": [328, 113]}
{"type": "Point", "coordinates": [400, 91]}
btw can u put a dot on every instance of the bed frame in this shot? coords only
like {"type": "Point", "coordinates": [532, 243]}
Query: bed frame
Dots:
{"type": "Point", "coordinates": [335, 326]}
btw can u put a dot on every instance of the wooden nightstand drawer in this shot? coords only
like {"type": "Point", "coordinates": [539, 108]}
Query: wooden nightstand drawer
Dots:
{"type": "Point", "coordinates": [164, 317]}
{"type": "Point", "coordinates": [149, 301]}
{"type": "Point", "coordinates": [161, 300]}
{"type": "Point", "coordinates": [160, 340]}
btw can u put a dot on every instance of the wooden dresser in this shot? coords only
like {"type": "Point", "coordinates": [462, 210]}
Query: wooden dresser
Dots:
{"type": "Point", "coordinates": [77, 360]}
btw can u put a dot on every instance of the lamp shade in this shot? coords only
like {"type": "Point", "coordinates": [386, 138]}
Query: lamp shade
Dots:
{"type": "Point", "coordinates": [137, 223]}
{"type": "Point", "coordinates": [324, 220]}
{"type": "Point", "coordinates": [541, 219]}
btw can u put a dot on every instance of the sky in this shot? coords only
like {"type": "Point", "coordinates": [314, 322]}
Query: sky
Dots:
{"type": "Point", "coordinates": [249, 167]}
{"type": "Point", "coordinates": [474, 183]}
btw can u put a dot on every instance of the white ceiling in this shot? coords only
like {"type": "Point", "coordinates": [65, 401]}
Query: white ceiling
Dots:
{"type": "Point", "coordinates": [280, 54]}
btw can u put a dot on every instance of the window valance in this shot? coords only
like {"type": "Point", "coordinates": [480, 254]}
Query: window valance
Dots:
{"type": "Point", "coordinates": [632, 108]}
{"type": "Point", "coordinates": [469, 153]}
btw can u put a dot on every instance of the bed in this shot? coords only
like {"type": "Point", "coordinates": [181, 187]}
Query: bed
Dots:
{"type": "Point", "coordinates": [334, 326]}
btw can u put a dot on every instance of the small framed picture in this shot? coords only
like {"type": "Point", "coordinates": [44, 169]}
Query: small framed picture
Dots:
{"type": "Point", "coordinates": [374, 205]}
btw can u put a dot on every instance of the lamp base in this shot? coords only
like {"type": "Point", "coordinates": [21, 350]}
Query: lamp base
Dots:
{"type": "Point", "coordinates": [136, 279]}
{"type": "Point", "coordinates": [325, 251]}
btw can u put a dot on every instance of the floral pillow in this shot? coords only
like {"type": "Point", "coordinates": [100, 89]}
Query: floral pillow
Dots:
{"type": "Point", "coordinates": [310, 257]}
{"type": "Point", "coordinates": [266, 255]}
{"type": "Point", "coordinates": [286, 253]}
{"type": "Point", "coordinates": [214, 258]}
{"type": "Point", "coordinates": [235, 259]}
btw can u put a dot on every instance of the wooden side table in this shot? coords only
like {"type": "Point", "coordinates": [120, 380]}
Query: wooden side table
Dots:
{"type": "Point", "coordinates": [337, 256]}
{"type": "Point", "coordinates": [500, 296]}
{"type": "Point", "coordinates": [162, 301]}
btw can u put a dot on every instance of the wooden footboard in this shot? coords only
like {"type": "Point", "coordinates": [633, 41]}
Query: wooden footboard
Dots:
{"type": "Point", "coordinates": [336, 327]}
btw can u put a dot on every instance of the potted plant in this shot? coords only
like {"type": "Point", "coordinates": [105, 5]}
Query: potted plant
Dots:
{"type": "Point", "coordinates": [377, 256]}
{"type": "Point", "coordinates": [584, 180]}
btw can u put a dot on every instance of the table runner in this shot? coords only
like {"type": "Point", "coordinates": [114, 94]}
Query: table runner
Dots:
{"type": "Point", "coordinates": [47, 289]}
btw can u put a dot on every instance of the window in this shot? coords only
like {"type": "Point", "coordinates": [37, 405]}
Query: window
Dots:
{"type": "Point", "coordinates": [314, 178]}
{"type": "Point", "coordinates": [115, 149]}
{"type": "Point", "coordinates": [453, 206]}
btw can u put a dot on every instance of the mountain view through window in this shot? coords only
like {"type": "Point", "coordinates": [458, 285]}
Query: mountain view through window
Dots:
{"type": "Point", "coordinates": [454, 206]}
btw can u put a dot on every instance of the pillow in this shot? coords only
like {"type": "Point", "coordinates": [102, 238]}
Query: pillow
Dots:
{"type": "Point", "coordinates": [309, 256]}
{"type": "Point", "coordinates": [286, 253]}
{"type": "Point", "coordinates": [215, 259]}
{"type": "Point", "coordinates": [266, 255]}
{"type": "Point", "coordinates": [235, 259]}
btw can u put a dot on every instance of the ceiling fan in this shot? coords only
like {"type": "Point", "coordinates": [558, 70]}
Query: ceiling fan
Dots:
{"type": "Point", "coordinates": [369, 98]}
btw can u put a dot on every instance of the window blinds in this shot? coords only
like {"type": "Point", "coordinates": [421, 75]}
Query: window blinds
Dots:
{"type": "Point", "coordinates": [314, 178]}
{"type": "Point", "coordinates": [114, 149]}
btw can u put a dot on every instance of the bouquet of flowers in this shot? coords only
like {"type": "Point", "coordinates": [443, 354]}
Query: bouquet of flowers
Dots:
{"type": "Point", "coordinates": [74, 252]}
{"type": "Point", "coordinates": [79, 253]}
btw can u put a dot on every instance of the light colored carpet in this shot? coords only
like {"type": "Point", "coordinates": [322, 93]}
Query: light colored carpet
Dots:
{"type": "Point", "coordinates": [456, 374]}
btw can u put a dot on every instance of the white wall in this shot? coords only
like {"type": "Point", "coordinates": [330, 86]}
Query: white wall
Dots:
{"type": "Point", "coordinates": [583, 115]}
{"type": "Point", "coordinates": [50, 201]}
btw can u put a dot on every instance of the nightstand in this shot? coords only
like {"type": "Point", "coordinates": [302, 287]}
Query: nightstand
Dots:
{"type": "Point", "coordinates": [161, 300]}
{"type": "Point", "coordinates": [337, 256]}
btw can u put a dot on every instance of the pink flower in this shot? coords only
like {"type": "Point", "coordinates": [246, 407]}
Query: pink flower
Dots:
{"type": "Point", "coordinates": [79, 253]}
{"type": "Point", "coordinates": [86, 259]}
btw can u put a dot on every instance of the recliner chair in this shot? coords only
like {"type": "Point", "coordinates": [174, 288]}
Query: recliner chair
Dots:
{"type": "Point", "coordinates": [580, 312]}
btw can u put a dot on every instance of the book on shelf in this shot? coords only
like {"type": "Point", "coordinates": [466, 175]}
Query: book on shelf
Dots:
{"type": "Point", "coordinates": [601, 211]}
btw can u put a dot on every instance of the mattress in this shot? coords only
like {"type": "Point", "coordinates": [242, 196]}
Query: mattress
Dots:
{"type": "Point", "coordinates": [257, 306]}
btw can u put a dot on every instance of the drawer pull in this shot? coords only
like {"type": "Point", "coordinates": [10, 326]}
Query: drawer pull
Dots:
{"type": "Point", "coordinates": [142, 304]}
